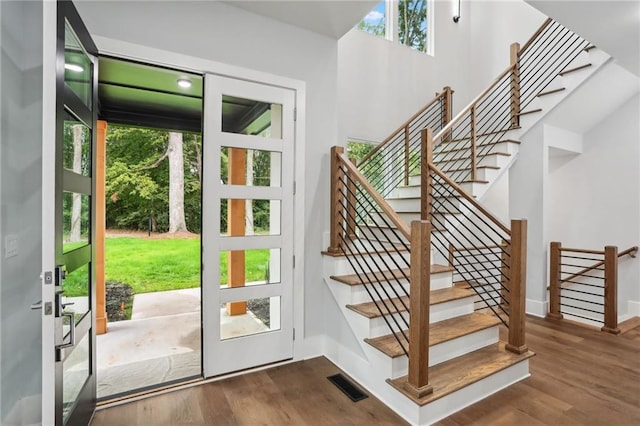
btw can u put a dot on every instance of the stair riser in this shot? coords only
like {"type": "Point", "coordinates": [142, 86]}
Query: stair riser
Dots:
{"type": "Point", "coordinates": [404, 204]}
{"type": "Point", "coordinates": [359, 294]}
{"type": "Point", "coordinates": [383, 234]}
{"type": "Point", "coordinates": [341, 266]}
{"type": "Point", "coordinates": [440, 312]}
{"type": "Point", "coordinates": [456, 401]}
{"type": "Point", "coordinates": [505, 146]}
{"type": "Point", "coordinates": [443, 351]}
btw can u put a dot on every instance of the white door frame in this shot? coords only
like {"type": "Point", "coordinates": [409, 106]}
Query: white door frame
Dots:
{"type": "Point", "coordinates": [301, 348]}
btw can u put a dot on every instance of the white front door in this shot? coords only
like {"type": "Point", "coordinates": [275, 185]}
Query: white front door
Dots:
{"type": "Point", "coordinates": [247, 226]}
{"type": "Point", "coordinates": [68, 294]}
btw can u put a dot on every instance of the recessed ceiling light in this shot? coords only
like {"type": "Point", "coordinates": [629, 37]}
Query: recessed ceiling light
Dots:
{"type": "Point", "coordinates": [73, 67]}
{"type": "Point", "coordinates": [184, 83]}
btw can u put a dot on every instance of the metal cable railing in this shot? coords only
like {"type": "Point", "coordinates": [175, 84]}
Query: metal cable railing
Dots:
{"type": "Point", "coordinates": [477, 245]}
{"type": "Point", "coordinates": [583, 284]}
{"type": "Point", "coordinates": [392, 162]}
{"type": "Point", "coordinates": [378, 258]}
{"type": "Point", "coordinates": [462, 145]}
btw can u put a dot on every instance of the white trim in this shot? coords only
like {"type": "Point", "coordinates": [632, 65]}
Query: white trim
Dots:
{"type": "Point", "coordinates": [126, 50]}
{"type": "Point", "coordinates": [537, 308]}
{"type": "Point", "coordinates": [256, 143]}
{"type": "Point", "coordinates": [49, 40]}
{"type": "Point", "coordinates": [250, 192]}
{"type": "Point", "coordinates": [252, 242]}
{"type": "Point", "coordinates": [633, 308]}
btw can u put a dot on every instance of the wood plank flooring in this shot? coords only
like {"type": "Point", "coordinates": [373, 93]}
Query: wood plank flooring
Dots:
{"type": "Point", "coordinates": [294, 394]}
{"type": "Point", "coordinates": [579, 376]}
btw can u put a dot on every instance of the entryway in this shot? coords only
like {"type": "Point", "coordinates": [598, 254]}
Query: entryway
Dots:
{"type": "Point", "coordinates": [245, 167]}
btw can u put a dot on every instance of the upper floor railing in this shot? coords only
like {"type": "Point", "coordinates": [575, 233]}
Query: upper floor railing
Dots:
{"type": "Point", "coordinates": [584, 284]}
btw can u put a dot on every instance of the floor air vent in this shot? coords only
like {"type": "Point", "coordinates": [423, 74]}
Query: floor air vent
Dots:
{"type": "Point", "coordinates": [345, 385]}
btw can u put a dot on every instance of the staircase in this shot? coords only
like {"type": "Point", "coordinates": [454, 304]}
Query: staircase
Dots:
{"type": "Point", "coordinates": [421, 305]}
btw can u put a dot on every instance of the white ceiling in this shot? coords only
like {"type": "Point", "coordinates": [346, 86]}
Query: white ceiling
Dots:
{"type": "Point", "coordinates": [329, 17]}
{"type": "Point", "coordinates": [612, 25]}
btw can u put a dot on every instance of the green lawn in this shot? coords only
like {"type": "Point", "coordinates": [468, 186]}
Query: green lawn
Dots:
{"type": "Point", "coordinates": [150, 265]}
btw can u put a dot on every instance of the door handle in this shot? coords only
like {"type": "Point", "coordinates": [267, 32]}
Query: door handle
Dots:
{"type": "Point", "coordinates": [37, 305]}
{"type": "Point", "coordinates": [72, 331]}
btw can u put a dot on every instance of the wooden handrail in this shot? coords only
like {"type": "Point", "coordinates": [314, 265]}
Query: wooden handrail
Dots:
{"type": "Point", "coordinates": [476, 100]}
{"type": "Point", "coordinates": [535, 35]}
{"type": "Point", "coordinates": [379, 199]}
{"type": "Point", "coordinates": [469, 198]}
{"type": "Point", "coordinates": [587, 251]}
{"type": "Point", "coordinates": [402, 127]}
{"type": "Point", "coordinates": [632, 251]}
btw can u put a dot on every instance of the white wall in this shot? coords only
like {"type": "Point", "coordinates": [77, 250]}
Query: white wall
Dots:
{"type": "Point", "coordinates": [225, 34]}
{"type": "Point", "coordinates": [21, 206]}
{"type": "Point", "coordinates": [594, 197]}
{"type": "Point", "coordinates": [382, 83]}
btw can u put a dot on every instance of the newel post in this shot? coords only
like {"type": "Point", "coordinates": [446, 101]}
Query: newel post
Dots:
{"type": "Point", "coordinates": [420, 289]}
{"type": "Point", "coordinates": [350, 230]}
{"type": "Point", "coordinates": [426, 158]}
{"type": "Point", "coordinates": [515, 84]}
{"type": "Point", "coordinates": [337, 202]}
{"type": "Point", "coordinates": [611, 290]}
{"type": "Point", "coordinates": [554, 280]}
{"type": "Point", "coordinates": [517, 286]}
{"type": "Point", "coordinates": [447, 108]}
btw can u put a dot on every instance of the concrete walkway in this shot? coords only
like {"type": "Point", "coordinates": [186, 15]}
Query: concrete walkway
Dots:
{"type": "Point", "coordinates": [161, 342]}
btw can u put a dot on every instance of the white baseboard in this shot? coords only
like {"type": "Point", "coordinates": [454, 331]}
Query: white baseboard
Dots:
{"type": "Point", "coordinates": [537, 308]}
{"type": "Point", "coordinates": [633, 309]}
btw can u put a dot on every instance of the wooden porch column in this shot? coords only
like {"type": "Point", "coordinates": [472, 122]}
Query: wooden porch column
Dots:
{"type": "Point", "coordinates": [101, 223]}
{"type": "Point", "coordinates": [517, 287]}
{"type": "Point", "coordinates": [236, 212]}
{"type": "Point", "coordinates": [420, 289]}
{"type": "Point", "coordinates": [611, 290]}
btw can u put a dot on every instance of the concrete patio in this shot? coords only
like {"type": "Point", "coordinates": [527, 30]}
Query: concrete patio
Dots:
{"type": "Point", "coordinates": [161, 342]}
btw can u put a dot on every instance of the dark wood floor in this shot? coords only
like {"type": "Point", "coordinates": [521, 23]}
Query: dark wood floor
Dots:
{"type": "Point", "coordinates": [579, 377]}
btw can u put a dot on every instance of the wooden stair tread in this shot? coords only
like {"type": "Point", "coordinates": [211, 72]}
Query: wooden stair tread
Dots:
{"type": "Point", "coordinates": [469, 168]}
{"type": "Point", "coordinates": [549, 92]}
{"type": "Point", "coordinates": [353, 279]}
{"type": "Point", "coordinates": [443, 295]}
{"type": "Point", "coordinates": [391, 247]}
{"type": "Point", "coordinates": [465, 370]}
{"type": "Point", "coordinates": [532, 111]}
{"type": "Point", "coordinates": [453, 160]}
{"type": "Point", "coordinates": [439, 332]}
{"type": "Point", "coordinates": [588, 48]}
{"type": "Point", "coordinates": [570, 70]}
{"type": "Point", "coordinates": [480, 135]}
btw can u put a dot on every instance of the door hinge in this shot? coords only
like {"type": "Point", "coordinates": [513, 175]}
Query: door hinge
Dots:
{"type": "Point", "coordinates": [295, 114]}
{"type": "Point", "coordinates": [294, 261]}
{"type": "Point", "coordinates": [294, 187]}
{"type": "Point", "coordinates": [294, 334]}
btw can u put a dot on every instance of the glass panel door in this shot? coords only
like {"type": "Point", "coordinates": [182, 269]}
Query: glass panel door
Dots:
{"type": "Point", "coordinates": [247, 225]}
{"type": "Point", "coordinates": [69, 392]}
